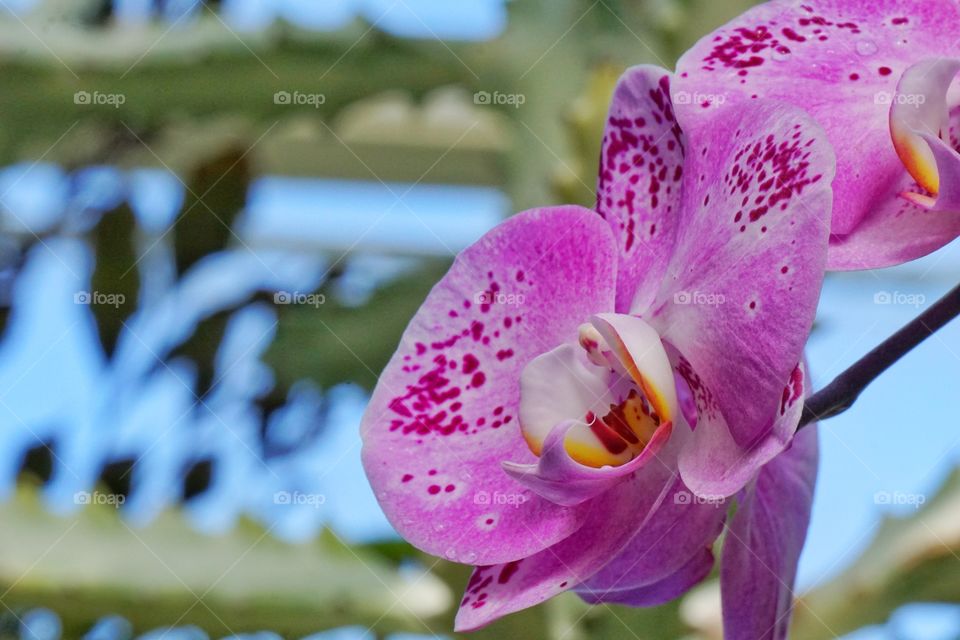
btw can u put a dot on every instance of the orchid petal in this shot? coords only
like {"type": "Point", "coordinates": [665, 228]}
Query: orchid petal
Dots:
{"type": "Point", "coordinates": [714, 464]}
{"type": "Point", "coordinates": [495, 591]}
{"type": "Point", "coordinates": [638, 189]}
{"type": "Point", "coordinates": [682, 527]}
{"type": "Point", "coordinates": [762, 547]}
{"type": "Point", "coordinates": [443, 416]}
{"type": "Point", "coordinates": [740, 295]}
{"type": "Point", "coordinates": [669, 588]}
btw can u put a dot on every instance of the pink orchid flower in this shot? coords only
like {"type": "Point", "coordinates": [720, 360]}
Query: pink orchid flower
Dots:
{"type": "Point", "coordinates": [879, 76]}
{"type": "Point", "coordinates": [579, 396]}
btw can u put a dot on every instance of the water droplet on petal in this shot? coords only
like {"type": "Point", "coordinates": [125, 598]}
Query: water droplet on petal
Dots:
{"type": "Point", "coordinates": [867, 47]}
{"type": "Point", "coordinates": [470, 558]}
{"type": "Point", "coordinates": [780, 56]}
{"type": "Point", "coordinates": [450, 554]}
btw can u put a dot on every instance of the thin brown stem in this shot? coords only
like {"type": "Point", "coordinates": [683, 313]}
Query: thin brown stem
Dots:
{"type": "Point", "coordinates": [839, 395]}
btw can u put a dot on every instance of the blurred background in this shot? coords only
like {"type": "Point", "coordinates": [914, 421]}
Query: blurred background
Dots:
{"type": "Point", "coordinates": [218, 217]}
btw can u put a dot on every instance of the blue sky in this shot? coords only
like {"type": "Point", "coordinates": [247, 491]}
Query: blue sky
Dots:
{"type": "Point", "coordinates": [472, 19]}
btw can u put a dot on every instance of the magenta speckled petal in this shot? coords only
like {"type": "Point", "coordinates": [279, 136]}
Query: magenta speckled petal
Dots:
{"type": "Point", "coordinates": [762, 547]}
{"type": "Point", "coordinates": [673, 586]}
{"type": "Point", "coordinates": [444, 414]}
{"type": "Point", "coordinates": [682, 526]}
{"type": "Point", "coordinates": [495, 591]}
{"type": "Point", "coordinates": [841, 60]}
{"type": "Point", "coordinates": [561, 479]}
{"type": "Point", "coordinates": [714, 465]}
{"type": "Point", "coordinates": [741, 291]}
{"type": "Point", "coordinates": [638, 190]}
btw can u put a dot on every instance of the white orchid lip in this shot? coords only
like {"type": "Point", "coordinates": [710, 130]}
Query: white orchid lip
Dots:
{"type": "Point", "coordinates": [618, 386]}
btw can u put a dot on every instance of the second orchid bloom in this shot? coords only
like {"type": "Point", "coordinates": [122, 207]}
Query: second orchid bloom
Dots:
{"type": "Point", "coordinates": [880, 77]}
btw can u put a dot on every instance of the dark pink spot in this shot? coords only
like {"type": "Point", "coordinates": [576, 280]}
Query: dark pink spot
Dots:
{"type": "Point", "coordinates": [793, 35]}
{"type": "Point", "coordinates": [508, 571]}
{"type": "Point", "coordinates": [470, 363]}
{"type": "Point", "coordinates": [793, 391]}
